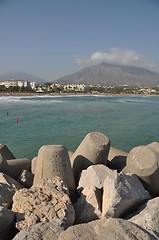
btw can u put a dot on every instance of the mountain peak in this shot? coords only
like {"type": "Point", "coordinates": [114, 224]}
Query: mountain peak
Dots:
{"type": "Point", "coordinates": [21, 76]}
{"type": "Point", "coordinates": [109, 74]}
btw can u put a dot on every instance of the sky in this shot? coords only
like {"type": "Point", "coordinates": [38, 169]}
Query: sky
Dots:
{"type": "Point", "coordinates": [53, 38]}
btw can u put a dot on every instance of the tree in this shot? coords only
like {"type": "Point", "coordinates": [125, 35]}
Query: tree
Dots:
{"type": "Point", "coordinates": [2, 88]}
{"type": "Point", "coordinates": [14, 89]}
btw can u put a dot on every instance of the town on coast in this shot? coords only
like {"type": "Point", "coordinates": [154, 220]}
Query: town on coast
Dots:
{"type": "Point", "coordinates": [23, 87]}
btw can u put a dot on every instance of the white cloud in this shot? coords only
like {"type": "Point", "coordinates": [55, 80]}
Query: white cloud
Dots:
{"type": "Point", "coordinates": [117, 56]}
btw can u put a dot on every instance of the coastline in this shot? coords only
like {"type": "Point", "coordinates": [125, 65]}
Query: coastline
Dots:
{"type": "Point", "coordinates": [25, 94]}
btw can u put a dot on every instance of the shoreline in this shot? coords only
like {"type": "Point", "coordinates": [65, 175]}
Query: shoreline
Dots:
{"type": "Point", "coordinates": [73, 94]}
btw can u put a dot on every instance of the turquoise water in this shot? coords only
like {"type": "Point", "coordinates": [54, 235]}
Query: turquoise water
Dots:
{"type": "Point", "coordinates": [127, 121]}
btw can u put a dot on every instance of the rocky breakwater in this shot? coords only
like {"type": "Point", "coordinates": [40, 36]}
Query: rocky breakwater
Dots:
{"type": "Point", "coordinates": [98, 192]}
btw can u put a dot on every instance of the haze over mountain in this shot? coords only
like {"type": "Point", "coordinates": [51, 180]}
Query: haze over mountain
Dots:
{"type": "Point", "coordinates": [105, 74]}
{"type": "Point", "coordinates": [21, 76]}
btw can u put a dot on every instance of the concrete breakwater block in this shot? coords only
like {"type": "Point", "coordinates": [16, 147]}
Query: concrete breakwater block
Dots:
{"type": "Point", "coordinates": [5, 154]}
{"type": "Point", "coordinates": [26, 179]}
{"type": "Point", "coordinates": [33, 164]}
{"type": "Point", "coordinates": [144, 162]}
{"type": "Point", "coordinates": [114, 152]}
{"type": "Point", "coordinates": [16, 167]}
{"type": "Point", "coordinates": [8, 187]}
{"type": "Point", "coordinates": [6, 223]}
{"type": "Point", "coordinates": [93, 149]}
{"type": "Point", "coordinates": [53, 160]}
{"type": "Point", "coordinates": [24, 163]}
{"type": "Point", "coordinates": [154, 146]}
{"type": "Point", "coordinates": [116, 159]}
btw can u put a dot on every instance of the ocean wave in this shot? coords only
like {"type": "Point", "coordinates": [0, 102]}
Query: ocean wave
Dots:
{"type": "Point", "coordinates": [136, 100]}
{"type": "Point", "coordinates": [46, 99]}
{"type": "Point", "coordinates": [30, 99]}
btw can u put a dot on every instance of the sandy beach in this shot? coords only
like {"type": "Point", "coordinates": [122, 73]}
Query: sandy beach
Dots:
{"type": "Point", "coordinates": [71, 94]}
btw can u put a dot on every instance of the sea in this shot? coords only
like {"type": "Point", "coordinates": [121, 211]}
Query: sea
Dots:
{"type": "Point", "coordinates": [27, 123]}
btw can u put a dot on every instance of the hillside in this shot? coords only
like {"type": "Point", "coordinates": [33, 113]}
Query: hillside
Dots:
{"type": "Point", "coordinates": [21, 76]}
{"type": "Point", "coordinates": [105, 74]}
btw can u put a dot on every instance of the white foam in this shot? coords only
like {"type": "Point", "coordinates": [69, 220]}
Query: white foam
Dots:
{"type": "Point", "coordinates": [27, 99]}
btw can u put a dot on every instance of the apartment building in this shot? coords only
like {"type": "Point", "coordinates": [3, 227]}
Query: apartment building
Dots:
{"type": "Point", "coordinates": [17, 83]}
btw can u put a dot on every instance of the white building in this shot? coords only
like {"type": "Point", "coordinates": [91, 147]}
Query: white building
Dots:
{"type": "Point", "coordinates": [23, 83]}
{"type": "Point", "coordinates": [33, 85]}
{"type": "Point", "coordinates": [15, 83]}
{"type": "Point", "coordinates": [74, 87]}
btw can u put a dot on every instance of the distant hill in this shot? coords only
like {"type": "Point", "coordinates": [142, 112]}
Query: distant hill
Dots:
{"type": "Point", "coordinates": [105, 74]}
{"type": "Point", "coordinates": [21, 76]}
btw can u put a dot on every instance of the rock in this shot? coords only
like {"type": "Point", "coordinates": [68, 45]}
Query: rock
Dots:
{"type": "Point", "coordinates": [46, 202]}
{"type": "Point", "coordinates": [107, 229]}
{"type": "Point", "coordinates": [121, 193]}
{"type": "Point", "coordinates": [93, 149]}
{"type": "Point", "coordinates": [88, 206]}
{"type": "Point", "coordinates": [144, 162]}
{"type": "Point", "coordinates": [42, 230]}
{"type": "Point", "coordinates": [94, 176]}
{"type": "Point", "coordinates": [117, 159]}
{"type": "Point", "coordinates": [16, 167]}
{"type": "Point", "coordinates": [26, 179]}
{"type": "Point", "coordinates": [6, 223]}
{"type": "Point", "coordinates": [147, 216]}
{"type": "Point", "coordinates": [8, 187]}
{"type": "Point", "coordinates": [53, 160]}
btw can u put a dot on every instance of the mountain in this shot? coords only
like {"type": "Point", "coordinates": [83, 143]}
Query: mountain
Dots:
{"type": "Point", "coordinates": [105, 74]}
{"type": "Point", "coordinates": [21, 76]}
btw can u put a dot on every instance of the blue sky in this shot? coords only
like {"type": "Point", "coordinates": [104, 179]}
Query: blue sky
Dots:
{"type": "Point", "coordinates": [54, 38]}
